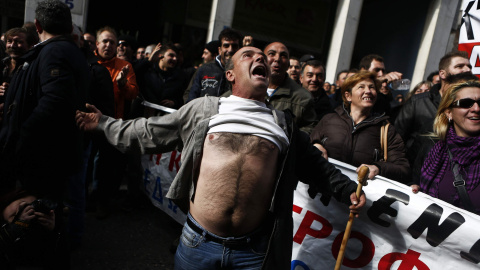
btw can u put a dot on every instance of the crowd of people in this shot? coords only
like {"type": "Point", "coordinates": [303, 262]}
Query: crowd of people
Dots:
{"type": "Point", "coordinates": [250, 122]}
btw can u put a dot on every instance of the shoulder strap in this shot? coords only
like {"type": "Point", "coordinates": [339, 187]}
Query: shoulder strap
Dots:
{"type": "Point", "coordinates": [459, 184]}
{"type": "Point", "coordinates": [384, 140]}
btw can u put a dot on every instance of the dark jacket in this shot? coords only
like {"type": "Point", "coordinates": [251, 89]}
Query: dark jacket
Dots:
{"type": "Point", "coordinates": [420, 149]}
{"type": "Point", "coordinates": [360, 144]}
{"type": "Point", "coordinates": [40, 144]}
{"type": "Point", "coordinates": [189, 125]}
{"type": "Point", "coordinates": [292, 96]}
{"type": "Point", "coordinates": [156, 85]}
{"type": "Point", "coordinates": [100, 91]}
{"type": "Point", "coordinates": [208, 80]}
{"type": "Point", "coordinates": [416, 117]}
{"type": "Point", "coordinates": [322, 105]}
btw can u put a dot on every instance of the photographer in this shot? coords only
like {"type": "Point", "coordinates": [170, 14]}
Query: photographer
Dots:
{"type": "Point", "coordinates": [28, 235]}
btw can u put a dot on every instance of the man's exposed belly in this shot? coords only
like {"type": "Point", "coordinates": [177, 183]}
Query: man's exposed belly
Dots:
{"type": "Point", "coordinates": [235, 183]}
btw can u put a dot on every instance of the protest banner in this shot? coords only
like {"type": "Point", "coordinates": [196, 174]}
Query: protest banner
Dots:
{"type": "Point", "coordinates": [397, 229]}
{"type": "Point", "coordinates": [469, 38]}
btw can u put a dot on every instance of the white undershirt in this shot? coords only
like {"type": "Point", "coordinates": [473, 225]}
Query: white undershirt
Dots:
{"type": "Point", "coordinates": [246, 116]}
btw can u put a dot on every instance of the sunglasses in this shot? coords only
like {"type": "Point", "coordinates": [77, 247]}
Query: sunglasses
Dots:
{"type": "Point", "coordinates": [465, 103]}
{"type": "Point", "coordinates": [124, 43]}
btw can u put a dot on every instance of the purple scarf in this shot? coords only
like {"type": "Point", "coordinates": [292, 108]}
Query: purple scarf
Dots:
{"type": "Point", "coordinates": [465, 151]}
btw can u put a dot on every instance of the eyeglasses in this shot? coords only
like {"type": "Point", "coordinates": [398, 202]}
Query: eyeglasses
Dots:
{"type": "Point", "coordinates": [465, 103]}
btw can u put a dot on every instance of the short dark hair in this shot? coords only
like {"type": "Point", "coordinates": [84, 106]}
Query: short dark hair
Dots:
{"type": "Point", "coordinates": [446, 60]}
{"type": "Point", "coordinates": [313, 63]}
{"type": "Point", "coordinates": [54, 17]}
{"type": "Point", "coordinates": [368, 59]}
{"type": "Point", "coordinates": [230, 34]}
{"type": "Point", "coordinates": [430, 76]}
{"type": "Point", "coordinates": [20, 30]}
{"type": "Point", "coordinates": [168, 46]}
{"type": "Point", "coordinates": [340, 73]}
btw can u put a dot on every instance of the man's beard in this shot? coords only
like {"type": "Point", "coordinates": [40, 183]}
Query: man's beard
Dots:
{"type": "Point", "coordinates": [453, 78]}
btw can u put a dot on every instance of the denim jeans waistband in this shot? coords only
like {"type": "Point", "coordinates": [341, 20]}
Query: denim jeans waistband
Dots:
{"type": "Point", "coordinates": [226, 241]}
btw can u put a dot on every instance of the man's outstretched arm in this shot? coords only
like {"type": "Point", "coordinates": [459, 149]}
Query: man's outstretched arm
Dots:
{"type": "Point", "coordinates": [147, 136]}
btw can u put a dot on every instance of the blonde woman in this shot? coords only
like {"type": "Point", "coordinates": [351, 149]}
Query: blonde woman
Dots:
{"type": "Point", "coordinates": [452, 167]}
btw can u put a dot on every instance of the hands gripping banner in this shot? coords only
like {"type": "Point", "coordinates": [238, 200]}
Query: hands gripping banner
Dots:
{"type": "Point", "coordinates": [469, 39]}
{"type": "Point", "coordinates": [397, 229]}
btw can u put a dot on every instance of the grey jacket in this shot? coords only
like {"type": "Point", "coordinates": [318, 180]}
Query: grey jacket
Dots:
{"type": "Point", "coordinates": [189, 125]}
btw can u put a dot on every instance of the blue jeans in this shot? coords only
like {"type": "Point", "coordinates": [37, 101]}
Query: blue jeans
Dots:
{"type": "Point", "coordinates": [199, 250]}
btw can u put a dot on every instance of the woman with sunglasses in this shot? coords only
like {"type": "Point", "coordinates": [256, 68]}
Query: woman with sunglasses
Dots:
{"type": "Point", "coordinates": [351, 134]}
{"type": "Point", "coordinates": [451, 170]}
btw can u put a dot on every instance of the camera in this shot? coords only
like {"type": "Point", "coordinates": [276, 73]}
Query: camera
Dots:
{"type": "Point", "coordinates": [43, 205]}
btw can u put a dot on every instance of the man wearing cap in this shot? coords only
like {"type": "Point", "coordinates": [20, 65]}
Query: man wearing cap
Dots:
{"type": "Point", "coordinates": [210, 78]}
{"type": "Point", "coordinates": [211, 51]}
{"type": "Point", "coordinates": [126, 48]}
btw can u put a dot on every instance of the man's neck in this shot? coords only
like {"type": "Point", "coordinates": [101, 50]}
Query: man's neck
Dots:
{"type": "Point", "coordinates": [443, 88]}
{"type": "Point", "coordinates": [276, 81]}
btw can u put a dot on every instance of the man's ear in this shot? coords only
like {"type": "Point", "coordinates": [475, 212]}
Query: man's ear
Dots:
{"type": "Point", "coordinates": [301, 78]}
{"type": "Point", "coordinates": [230, 75]}
{"type": "Point", "coordinates": [442, 73]}
{"type": "Point", "coordinates": [38, 26]}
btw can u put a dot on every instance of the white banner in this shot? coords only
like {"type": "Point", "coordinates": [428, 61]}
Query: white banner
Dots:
{"type": "Point", "coordinates": [469, 37]}
{"type": "Point", "coordinates": [396, 230]}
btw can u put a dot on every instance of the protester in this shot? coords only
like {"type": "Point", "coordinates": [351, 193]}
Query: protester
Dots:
{"type": "Point", "coordinates": [109, 169]}
{"type": "Point", "coordinates": [41, 145]}
{"type": "Point", "coordinates": [312, 77]}
{"type": "Point", "coordinates": [140, 53]}
{"type": "Point", "coordinates": [210, 78]}
{"type": "Point", "coordinates": [127, 45]}
{"type": "Point", "coordinates": [160, 80]}
{"type": "Point", "coordinates": [417, 114]}
{"type": "Point", "coordinates": [28, 235]}
{"type": "Point", "coordinates": [255, 210]}
{"type": "Point", "coordinates": [91, 40]}
{"type": "Point", "coordinates": [434, 77]}
{"type": "Point", "coordinates": [421, 87]}
{"type": "Point", "coordinates": [211, 51]}
{"type": "Point", "coordinates": [336, 97]}
{"type": "Point", "coordinates": [294, 69]}
{"type": "Point", "coordinates": [352, 133]}
{"type": "Point", "coordinates": [18, 42]}
{"type": "Point", "coordinates": [455, 158]}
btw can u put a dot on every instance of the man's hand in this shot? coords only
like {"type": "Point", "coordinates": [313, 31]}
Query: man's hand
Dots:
{"type": "Point", "coordinates": [3, 88]}
{"type": "Point", "coordinates": [322, 149]}
{"type": "Point", "coordinates": [88, 121]}
{"type": "Point", "coordinates": [122, 76]}
{"type": "Point", "coordinates": [155, 55]}
{"type": "Point", "coordinates": [46, 220]}
{"type": "Point", "coordinates": [357, 203]}
{"type": "Point", "coordinates": [415, 188]}
{"type": "Point", "coordinates": [372, 170]}
{"type": "Point", "coordinates": [390, 77]}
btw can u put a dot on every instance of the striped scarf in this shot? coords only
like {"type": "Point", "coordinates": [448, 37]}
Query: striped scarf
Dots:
{"type": "Point", "coordinates": [465, 152]}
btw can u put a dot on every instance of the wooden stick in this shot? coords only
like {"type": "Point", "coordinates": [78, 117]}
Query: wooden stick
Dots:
{"type": "Point", "coordinates": [362, 181]}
